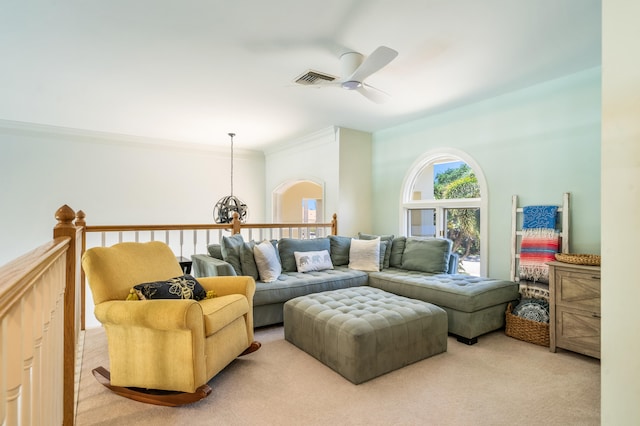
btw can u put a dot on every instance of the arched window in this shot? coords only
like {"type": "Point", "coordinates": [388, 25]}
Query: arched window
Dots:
{"type": "Point", "coordinates": [444, 195]}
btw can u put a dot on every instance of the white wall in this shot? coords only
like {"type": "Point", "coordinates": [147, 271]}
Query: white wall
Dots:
{"type": "Point", "coordinates": [313, 158]}
{"type": "Point", "coordinates": [337, 158]}
{"type": "Point", "coordinates": [355, 190]}
{"type": "Point", "coordinates": [114, 180]}
{"type": "Point", "coordinates": [620, 207]}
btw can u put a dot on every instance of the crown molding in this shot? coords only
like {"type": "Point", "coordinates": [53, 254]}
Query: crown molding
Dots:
{"type": "Point", "coordinates": [35, 130]}
{"type": "Point", "coordinates": [318, 138]}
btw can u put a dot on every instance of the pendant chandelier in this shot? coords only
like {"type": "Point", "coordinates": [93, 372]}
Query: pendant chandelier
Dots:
{"type": "Point", "coordinates": [227, 205]}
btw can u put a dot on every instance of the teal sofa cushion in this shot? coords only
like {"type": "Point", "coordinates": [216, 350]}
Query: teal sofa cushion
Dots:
{"type": "Point", "coordinates": [248, 261]}
{"type": "Point", "coordinates": [339, 252]}
{"type": "Point", "coordinates": [231, 247]}
{"type": "Point", "coordinates": [286, 247]}
{"type": "Point", "coordinates": [397, 249]}
{"type": "Point", "coordinates": [215, 250]}
{"type": "Point", "coordinates": [427, 255]}
{"type": "Point", "coordinates": [294, 284]}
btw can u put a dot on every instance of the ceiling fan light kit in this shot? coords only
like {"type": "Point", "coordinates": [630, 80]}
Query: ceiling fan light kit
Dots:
{"type": "Point", "coordinates": [351, 85]}
{"type": "Point", "coordinates": [354, 69]}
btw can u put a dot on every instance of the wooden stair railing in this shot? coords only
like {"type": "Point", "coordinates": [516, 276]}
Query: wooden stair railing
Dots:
{"type": "Point", "coordinates": [39, 328]}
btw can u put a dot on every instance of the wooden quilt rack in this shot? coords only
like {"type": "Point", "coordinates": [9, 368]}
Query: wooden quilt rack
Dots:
{"type": "Point", "coordinates": [516, 235]}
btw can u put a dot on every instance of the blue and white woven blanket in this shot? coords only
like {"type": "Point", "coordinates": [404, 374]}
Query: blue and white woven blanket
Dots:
{"type": "Point", "coordinates": [540, 242]}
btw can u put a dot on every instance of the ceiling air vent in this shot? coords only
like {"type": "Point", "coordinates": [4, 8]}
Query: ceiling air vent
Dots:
{"type": "Point", "coordinates": [313, 77]}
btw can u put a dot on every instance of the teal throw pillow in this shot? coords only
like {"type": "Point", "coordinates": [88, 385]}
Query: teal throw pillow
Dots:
{"type": "Point", "coordinates": [397, 249]}
{"type": "Point", "coordinates": [427, 255]}
{"type": "Point", "coordinates": [231, 247]}
{"type": "Point", "coordinates": [339, 250]}
{"type": "Point", "coordinates": [383, 252]}
{"type": "Point", "coordinates": [215, 250]}
{"type": "Point", "coordinates": [248, 261]}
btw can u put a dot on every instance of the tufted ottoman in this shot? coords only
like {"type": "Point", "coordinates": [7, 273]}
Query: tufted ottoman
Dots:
{"type": "Point", "coordinates": [364, 332]}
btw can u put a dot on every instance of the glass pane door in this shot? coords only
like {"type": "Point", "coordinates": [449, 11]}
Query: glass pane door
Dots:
{"type": "Point", "coordinates": [463, 228]}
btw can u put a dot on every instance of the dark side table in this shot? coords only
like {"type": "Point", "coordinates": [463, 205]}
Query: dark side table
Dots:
{"type": "Point", "coordinates": [185, 264]}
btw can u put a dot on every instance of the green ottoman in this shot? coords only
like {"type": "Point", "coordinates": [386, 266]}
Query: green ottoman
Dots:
{"type": "Point", "coordinates": [364, 332]}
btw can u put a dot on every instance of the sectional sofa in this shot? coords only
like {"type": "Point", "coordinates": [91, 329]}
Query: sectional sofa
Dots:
{"type": "Point", "coordinates": [419, 268]}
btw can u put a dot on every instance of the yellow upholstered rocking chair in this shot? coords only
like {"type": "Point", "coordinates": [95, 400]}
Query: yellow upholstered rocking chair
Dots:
{"type": "Point", "coordinates": [164, 351]}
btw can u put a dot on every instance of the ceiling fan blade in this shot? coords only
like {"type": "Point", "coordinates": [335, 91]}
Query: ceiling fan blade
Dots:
{"type": "Point", "coordinates": [373, 94]}
{"type": "Point", "coordinates": [374, 62]}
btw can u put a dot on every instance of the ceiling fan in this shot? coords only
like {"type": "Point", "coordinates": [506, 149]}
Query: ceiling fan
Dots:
{"type": "Point", "coordinates": [354, 69]}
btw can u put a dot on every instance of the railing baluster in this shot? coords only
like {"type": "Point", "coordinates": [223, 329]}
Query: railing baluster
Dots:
{"type": "Point", "coordinates": [28, 326]}
{"type": "Point", "coordinates": [37, 388]}
{"type": "Point", "coordinates": [11, 383]}
{"type": "Point", "coordinates": [195, 241]}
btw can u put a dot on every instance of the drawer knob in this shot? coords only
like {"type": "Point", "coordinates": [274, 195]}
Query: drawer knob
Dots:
{"type": "Point", "coordinates": [594, 315]}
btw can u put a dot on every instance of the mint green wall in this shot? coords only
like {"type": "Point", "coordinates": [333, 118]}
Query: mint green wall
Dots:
{"type": "Point", "coordinates": [537, 143]}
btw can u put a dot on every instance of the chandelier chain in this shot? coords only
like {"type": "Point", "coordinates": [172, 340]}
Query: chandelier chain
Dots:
{"type": "Point", "coordinates": [232, 135]}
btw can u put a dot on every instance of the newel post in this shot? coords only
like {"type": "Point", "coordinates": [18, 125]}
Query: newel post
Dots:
{"type": "Point", "coordinates": [334, 224]}
{"type": "Point", "coordinates": [235, 223]}
{"type": "Point", "coordinates": [65, 228]}
{"type": "Point", "coordinates": [81, 225]}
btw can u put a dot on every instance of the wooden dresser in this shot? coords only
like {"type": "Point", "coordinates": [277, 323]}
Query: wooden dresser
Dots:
{"type": "Point", "coordinates": [574, 308]}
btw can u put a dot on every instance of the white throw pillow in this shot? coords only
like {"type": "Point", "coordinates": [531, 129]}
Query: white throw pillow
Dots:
{"type": "Point", "coordinates": [307, 261]}
{"type": "Point", "coordinates": [364, 255]}
{"type": "Point", "coordinates": [267, 261]}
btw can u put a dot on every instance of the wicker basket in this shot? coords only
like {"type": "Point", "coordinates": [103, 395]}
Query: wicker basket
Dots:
{"type": "Point", "coordinates": [579, 259]}
{"type": "Point", "coordinates": [527, 330]}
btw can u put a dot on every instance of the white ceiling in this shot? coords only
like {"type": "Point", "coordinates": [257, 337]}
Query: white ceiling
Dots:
{"type": "Point", "coordinates": [194, 70]}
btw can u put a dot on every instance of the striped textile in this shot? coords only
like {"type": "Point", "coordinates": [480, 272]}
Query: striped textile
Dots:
{"type": "Point", "coordinates": [540, 243]}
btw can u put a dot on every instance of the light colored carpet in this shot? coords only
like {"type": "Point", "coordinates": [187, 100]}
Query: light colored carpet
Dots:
{"type": "Point", "coordinates": [498, 381]}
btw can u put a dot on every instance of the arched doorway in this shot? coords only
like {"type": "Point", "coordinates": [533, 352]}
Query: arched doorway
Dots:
{"type": "Point", "coordinates": [299, 201]}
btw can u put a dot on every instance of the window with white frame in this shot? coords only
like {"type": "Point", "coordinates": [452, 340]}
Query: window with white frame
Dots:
{"type": "Point", "coordinates": [443, 198]}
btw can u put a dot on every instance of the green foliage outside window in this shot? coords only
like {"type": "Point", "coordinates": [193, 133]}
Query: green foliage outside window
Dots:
{"type": "Point", "coordinates": [463, 225]}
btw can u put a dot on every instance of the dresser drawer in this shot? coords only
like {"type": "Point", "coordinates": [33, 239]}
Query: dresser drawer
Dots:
{"type": "Point", "coordinates": [577, 289]}
{"type": "Point", "coordinates": [578, 331]}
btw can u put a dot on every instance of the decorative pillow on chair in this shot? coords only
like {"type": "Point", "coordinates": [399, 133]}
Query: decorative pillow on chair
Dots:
{"type": "Point", "coordinates": [267, 261]}
{"type": "Point", "coordinates": [183, 287]}
{"type": "Point", "coordinates": [364, 255]}
{"type": "Point", "coordinates": [308, 261]}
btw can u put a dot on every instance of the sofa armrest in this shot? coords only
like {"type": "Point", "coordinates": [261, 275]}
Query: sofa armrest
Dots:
{"type": "Point", "coordinates": [454, 260]}
{"type": "Point", "coordinates": [164, 314]}
{"type": "Point", "coordinates": [207, 266]}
